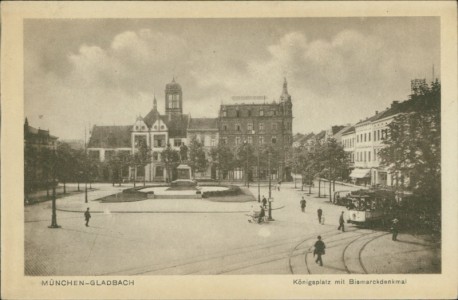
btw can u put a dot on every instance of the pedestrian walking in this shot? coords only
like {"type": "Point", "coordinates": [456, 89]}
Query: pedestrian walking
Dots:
{"type": "Point", "coordinates": [264, 201]}
{"type": "Point", "coordinates": [279, 185]}
{"type": "Point", "coordinates": [341, 222]}
{"type": "Point", "coordinates": [320, 213]}
{"type": "Point", "coordinates": [319, 251]}
{"type": "Point", "coordinates": [303, 204]}
{"type": "Point", "coordinates": [87, 216]}
{"type": "Point", "coordinates": [394, 229]}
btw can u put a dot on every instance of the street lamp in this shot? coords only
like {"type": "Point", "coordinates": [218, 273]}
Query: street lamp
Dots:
{"type": "Point", "coordinates": [270, 191]}
{"type": "Point", "coordinates": [54, 215]}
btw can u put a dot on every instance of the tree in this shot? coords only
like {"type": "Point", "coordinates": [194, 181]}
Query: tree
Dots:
{"type": "Point", "coordinates": [65, 164]}
{"type": "Point", "coordinates": [197, 156]}
{"type": "Point", "coordinates": [245, 158]}
{"type": "Point", "coordinates": [413, 146]}
{"type": "Point", "coordinates": [224, 158]}
{"type": "Point", "coordinates": [335, 160]}
{"type": "Point", "coordinates": [30, 169]}
{"type": "Point", "coordinates": [171, 159]}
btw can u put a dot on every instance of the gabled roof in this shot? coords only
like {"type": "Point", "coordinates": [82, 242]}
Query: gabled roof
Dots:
{"type": "Point", "coordinates": [203, 124]}
{"type": "Point", "coordinates": [342, 131]}
{"type": "Point", "coordinates": [152, 117]}
{"type": "Point", "coordinates": [110, 137]}
{"type": "Point", "coordinates": [39, 132]}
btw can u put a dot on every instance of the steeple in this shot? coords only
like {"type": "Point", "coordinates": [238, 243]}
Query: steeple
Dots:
{"type": "Point", "coordinates": [284, 95]}
{"type": "Point", "coordinates": [154, 103]}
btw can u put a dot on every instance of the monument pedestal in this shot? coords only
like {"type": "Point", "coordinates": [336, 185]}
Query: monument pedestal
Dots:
{"type": "Point", "coordinates": [184, 181]}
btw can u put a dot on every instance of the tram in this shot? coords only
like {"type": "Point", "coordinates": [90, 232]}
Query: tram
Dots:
{"type": "Point", "coordinates": [341, 198]}
{"type": "Point", "coordinates": [370, 206]}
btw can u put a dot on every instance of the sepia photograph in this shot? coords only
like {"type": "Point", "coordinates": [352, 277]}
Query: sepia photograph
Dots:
{"type": "Point", "coordinates": [291, 145]}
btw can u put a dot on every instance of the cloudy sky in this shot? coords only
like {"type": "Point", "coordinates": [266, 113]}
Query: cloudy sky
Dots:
{"type": "Point", "coordinates": [105, 72]}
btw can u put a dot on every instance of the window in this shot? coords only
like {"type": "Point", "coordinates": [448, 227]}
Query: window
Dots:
{"type": "Point", "coordinates": [249, 113]}
{"type": "Point", "coordinates": [364, 155]}
{"type": "Point", "coordinates": [369, 134]}
{"type": "Point", "coordinates": [237, 127]}
{"type": "Point", "coordinates": [274, 126]}
{"type": "Point", "coordinates": [364, 137]}
{"type": "Point", "coordinates": [237, 140]}
{"type": "Point", "coordinates": [213, 142]}
{"type": "Point", "coordinates": [261, 112]}
{"type": "Point", "coordinates": [261, 126]}
{"type": "Point", "coordinates": [250, 140]}
{"type": "Point", "coordinates": [177, 142]}
{"type": "Point", "coordinates": [224, 140]}
{"type": "Point", "coordinates": [155, 156]}
{"type": "Point", "coordinates": [224, 113]}
{"type": "Point", "coordinates": [225, 127]}
{"type": "Point", "coordinates": [375, 136]}
{"type": "Point", "coordinates": [357, 138]}
{"type": "Point", "coordinates": [261, 140]}
{"type": "Point", "coordinates": [274, 112]}
{"type": "Point", "coordinates": [159, 141]}
{"type": "Point", "coordinates": [237, 113]}
{"type": "Point", "coordinates": [250, 126]}
{"type": "Point", "coordinates": [274, 140]}
{"type": "Point", "coordinates": [170, 97]}
{"type": "Point", "coordinates": [369, 156]}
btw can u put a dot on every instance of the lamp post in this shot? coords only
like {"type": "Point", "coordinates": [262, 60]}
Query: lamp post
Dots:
{"type": "Point", "coordinates": [54, 215]}
{"type": "Point", "coordinates": [270, 191]}
{"type": "Point", "coordinates": [259, 178]}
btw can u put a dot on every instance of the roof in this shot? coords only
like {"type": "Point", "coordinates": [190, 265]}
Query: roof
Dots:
{"type": "Point", "coordinates": [178, 125]}
{"type": "Point", "coordinates": [110, 137]}
{"type": "Point", "coordinates": [40, 132]}
{"type": "Point", "coordinates": [203, 124]}
{"type": "Point", "coordinates": [348, 130]}
{"type": "Point", "coordinates": [152, 117]}
{"type": "Point", "coordinates": [320, 135]}
{"type": "Point", "coordinates": [342, 131]}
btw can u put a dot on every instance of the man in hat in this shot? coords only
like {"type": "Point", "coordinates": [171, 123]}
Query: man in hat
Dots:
{"type": "Point", "coordinates": [341, 222]}
{"type": "Point", "coordinates": [87, 216]}
{"type": "Point", "coordinates": [395, 229]}
{"type": "Point", "coordinates": [319, 250]}
{"type": "Point", "coordinates": [303, 203]}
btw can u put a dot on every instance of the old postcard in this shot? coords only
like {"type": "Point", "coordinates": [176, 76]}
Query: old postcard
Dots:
{"type": "Point", "coordinates": [229, 150]}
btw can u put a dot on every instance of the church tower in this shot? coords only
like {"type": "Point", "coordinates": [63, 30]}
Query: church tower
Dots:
{"type": "Point", "coordinates": [173, 99]}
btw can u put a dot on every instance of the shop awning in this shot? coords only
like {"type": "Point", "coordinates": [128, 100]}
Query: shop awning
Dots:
{"type": "Point", "coordinates": [360, 173]}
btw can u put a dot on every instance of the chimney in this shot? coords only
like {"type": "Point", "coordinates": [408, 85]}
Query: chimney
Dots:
{"type": "Point", "coordinates": [394, 103]}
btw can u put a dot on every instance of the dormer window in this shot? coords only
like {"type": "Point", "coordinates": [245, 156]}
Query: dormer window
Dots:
{"type": "Point", "coordinates": [136, 127]}
{"type": "Point", "coordinates": [162, 127]}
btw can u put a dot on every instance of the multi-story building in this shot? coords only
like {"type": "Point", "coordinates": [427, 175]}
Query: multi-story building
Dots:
{"type": "Point", "coordinates": [156, 130]}
{"type": "Point", "coordinates": [348, 137]}
{"type": "Point", "coordinates": [258, 125]}
{"type": "Point", "coordinates": [205, 131]}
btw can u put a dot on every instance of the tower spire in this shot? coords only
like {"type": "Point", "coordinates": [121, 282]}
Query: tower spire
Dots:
{"type": "Point", "coordinates": [154, 102]}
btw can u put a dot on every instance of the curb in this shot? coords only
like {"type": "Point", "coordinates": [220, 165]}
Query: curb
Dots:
{"type": "Point", "coordinates": [162, 212]}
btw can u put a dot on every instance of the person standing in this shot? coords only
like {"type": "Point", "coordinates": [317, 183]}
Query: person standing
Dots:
{"type": "Point", "coordinates": [303, 204]}
{"type": "Point", "coordinates": [319, 250]}
{"type": "Point", "coordinates": [87, 216]}
{"type": "Point", "coordinates": [341, 222]}
{"type": "Point", "coordinates": [262, 214]}
{"type": "Point", "coordinates": [394, 229]}
{"type": "Point", "coordinates": [264, 201]}
{"type": "Point", "coordinates": [320, 213]}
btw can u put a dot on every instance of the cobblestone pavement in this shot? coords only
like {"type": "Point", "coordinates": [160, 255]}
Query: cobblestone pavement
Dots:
{"type": "Point", "coordinates": [215, 238]}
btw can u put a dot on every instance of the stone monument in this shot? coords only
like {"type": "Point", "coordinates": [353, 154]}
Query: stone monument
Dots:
{"type": "Point", "coordinates": [184, 181]}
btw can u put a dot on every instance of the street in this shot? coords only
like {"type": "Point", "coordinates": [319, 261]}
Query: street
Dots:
{"type": "Point", "coordinates": [197, 236]}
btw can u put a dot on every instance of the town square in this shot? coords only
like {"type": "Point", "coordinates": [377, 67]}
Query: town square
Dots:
{"type": "Point", "coordinates": [215, 149]}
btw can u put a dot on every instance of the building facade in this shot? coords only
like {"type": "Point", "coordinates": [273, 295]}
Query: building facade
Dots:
{"type": "Point", "coordinates": [259, 125]}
